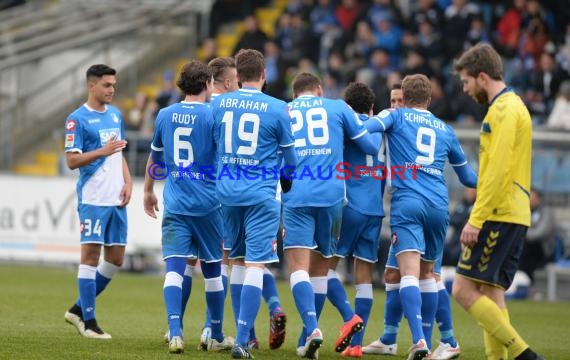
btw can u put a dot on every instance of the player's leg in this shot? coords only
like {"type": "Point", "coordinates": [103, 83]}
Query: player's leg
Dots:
{"type": "Point", "coordinates": [261, 223]}
{"type": "Point", "coordinates": [406, 220]}
{"type": "Point", "coordinates": [428, 291]}
{"type": "Point", "coordinates": [177, 246]}
{"type": "Point", "coordinates": [300, 226]}
{"type": "Point", "coordinates": [327, 232]}
{"type": "Point", "coordinates": [448, 347]}
{"type": "Point", "coordinates": [501, 245]}
{"type": "Point", "coordinates": [187, 284]}
{"type": "Point", "coordinates": [277, 317]}
{"type": "Point", "coordinates": [208, 236]}
{"type": "Point", "coordinates": [350, 230]}
{"type": "Point", "coordinates": [434, 229]}
{"type": "Point", "coordinates": [366, 255]}
{"type": "Point", "coordinates": [393, 311]}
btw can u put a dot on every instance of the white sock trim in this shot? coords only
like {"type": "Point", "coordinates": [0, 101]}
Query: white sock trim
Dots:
{"type": "Point", "coordinates": [320, 284]}
{"type": "Point", "coordinates": [189, 270]}
{"type": "Point", "coordinates": [363, 291]}
{"type": "Point", "coordinates": [253, 277]}
{"type": "Point", "coordinates": [409, 280]}
{"type": "Point", "coordinates": [391, 287]}
{"type": "Point", "coordinates": [238, 275]}
{"type": "Point", "coordinates": [86, 272]}
{"type": "Point", "coordinates": [441, 286]}
{"type": "Point", "coordinates": [331, 274]}
{"type": "Point", "coordinates": [214, 284]}
{"type": "Point", "coordinates": [173, 279]}
{"type": "Point", "coordinates": [299, 276]}
{"type": "Point", "coordinates": [266, 271]}
{"type": "Point", "coordinates": [428, 286]}
{"type": "Point", "coordinates": [225, 268]}
{"type": "Point", "coordinates": [107, 269]}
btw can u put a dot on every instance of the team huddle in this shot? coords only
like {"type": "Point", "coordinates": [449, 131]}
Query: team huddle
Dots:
{"type": "Point", "coordinates": [267, 162]}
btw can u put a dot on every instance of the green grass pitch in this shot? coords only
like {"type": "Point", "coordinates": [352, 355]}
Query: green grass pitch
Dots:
{"type": "Point", "coordinates": [34, 299]}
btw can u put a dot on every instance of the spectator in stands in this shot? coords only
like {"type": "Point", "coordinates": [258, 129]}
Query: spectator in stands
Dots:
{"type": "Point", "coordinates": [346, 13]}
{"type": "Point", "coordinates": [509, 29]}
{"type": "Point", "coordinates": [275, 67]}
{"type": "Point", "coordinates": [209, 50]}
{"type": "Point", "coordinates": [539, 244]}
{"type": "Point", "coordinates": [440, 105]}
{"type": "Point", "coordinates": [168, 94]}
{"type": "Point", "coordinates": [559, 118]}
{"type": "Point", "coordinates": [139, 116]}
{"type": "Point", "coordinates": [253, 37]}
{"type": "Point", "coordinates": [457, 220]}
{"type": "Point", "coordinates": [457, 19]}
{"type": "Point", "coordinates": [324, 28]}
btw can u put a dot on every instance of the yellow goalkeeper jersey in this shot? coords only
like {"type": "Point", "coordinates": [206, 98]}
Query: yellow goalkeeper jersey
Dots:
{"type": "Point", "coordinates": [503, 187]}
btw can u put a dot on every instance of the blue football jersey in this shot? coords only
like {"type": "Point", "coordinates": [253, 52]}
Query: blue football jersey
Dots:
{"type": "Point", "coordinates": [320, 127]}
{"type": "Point", "coordinates": [100, 182]}
{"type": "Point", "coordinates": [418, 145]}
{"type": "Point", "coordinates": [365, 185]}
{"type": "Point", "coordinates": [184, 133]}
{"type": "Point", "coordinates": [250, 128]}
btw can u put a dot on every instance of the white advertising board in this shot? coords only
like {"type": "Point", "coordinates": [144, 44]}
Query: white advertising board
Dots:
{"type": "Point", "coordinates": [39, 220]}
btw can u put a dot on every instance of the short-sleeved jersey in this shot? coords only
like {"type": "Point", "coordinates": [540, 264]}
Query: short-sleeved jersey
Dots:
{"type": "Point", "coordinates": [184, 133]}
{"type": "Point", "coordinates": [418, 145]}
{"type": "Point", "coordinates": [503, 185]}
{"type": "Point", "coordinates": [364, 191]}
{"type": "Point", "coordinates": [101, 181]}
{"type": "Point", "coordinates": [320, 127]}
{"type": "Point", "coordinates": [250, 128]}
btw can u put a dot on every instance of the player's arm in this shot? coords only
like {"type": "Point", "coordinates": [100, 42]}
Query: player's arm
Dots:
{"type": "Point", "coordinates": [290, 160]}
{"type": "Point", "coordinates": [287, 147]}
{"type": "Point", "coordinates": [381, 122]}
{"type": "Point", "coordinates": [77, 159]}
{"type": "Point", "coordinates": [356, 131]}
{"type": "Point", "coordinates": [460, 165]}
{"type": "Point", "coordinates": [127, 189]}
{"type": "Point", "coordinates": [150, 202]}
{"type": "Point", "coordinates": [493, 181]}
{"type": "Point", "coordinates": [368, 143]}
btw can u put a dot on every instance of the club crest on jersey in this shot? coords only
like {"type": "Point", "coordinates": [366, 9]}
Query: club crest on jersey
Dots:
{"type": "Point", "coordinates": [69, 140]}
{"type": "Point", "coordinates": [70, 125]}
{"type": "Point", "coordinates": [394, 238]}
{"type": "Point", "coordinates": [115, 118]}
{"type": "Point", "coordinates": [274, 246]}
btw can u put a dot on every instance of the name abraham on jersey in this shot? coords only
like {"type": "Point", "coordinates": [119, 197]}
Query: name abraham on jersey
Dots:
{"type": "Point", "coordinates": [244, 104]}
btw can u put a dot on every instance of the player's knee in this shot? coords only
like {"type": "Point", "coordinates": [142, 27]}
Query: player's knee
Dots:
{"type": "Point", "coordinates": [391, 276]}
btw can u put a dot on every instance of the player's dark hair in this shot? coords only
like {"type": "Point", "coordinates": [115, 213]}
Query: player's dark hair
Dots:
{"type": "Point", "coordinates": [396, 86]}
{"type": "Point", "coordinates": [219, 65]}
{"type": "Point", "coordinates": [98, 71]}
{"type": "Point", "coordinates": [416, 89]}
{"type": "Point", "coordinates": [250, 64]}
{"type": "Point", "coordinates": [481, 58]}
{"type": "Point", "coordinates": [305, 82]}
{"type": "Point", "coordinates": [360, 97]}
{"type": "Point", "coordinates": [194, 77]}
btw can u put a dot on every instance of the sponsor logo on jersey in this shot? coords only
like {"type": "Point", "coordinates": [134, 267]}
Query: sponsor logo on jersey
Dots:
{"type": "Point", "coordinates": [81, 227]}
{"type": "Point", "coordinates": [70, 125]}
{"type": "Point", "coordinates": [94, 121]}
{"type": "Point", "coordinates": [69, 140]}
{"type": "Point", "coordinates": [107, 134]}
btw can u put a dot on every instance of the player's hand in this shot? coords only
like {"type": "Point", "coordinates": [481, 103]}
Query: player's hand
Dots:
{"type": "Point", "coordinates": [126, 192]}
{"type": "Point", "coordinates": [150, 204]}
{"type": "Point", "coordinates": [286, 184]}
{"type": "Point", "coordinates": [469, 235]}
{"type": "Point", "coordinates": [112, 146]}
